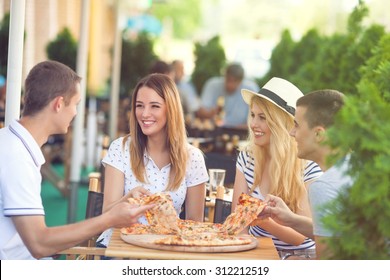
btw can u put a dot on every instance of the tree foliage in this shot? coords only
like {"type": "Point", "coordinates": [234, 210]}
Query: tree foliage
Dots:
{"type": "Point", "coordinates": [137, 56]}
{"type": "Point", "coordinates": [185, 16]}
{"type": "Point", "coordinates": [63, 49]}
{"type": "Point", "coordinates": [282, 58]}
{"type": "Point", "coordinates": [4, 35]}
{"type": "Point", "coordinates": [361, 216]}
{"type": "Point", "coordinates": [326, 62]}
{"type": "Point", "coordinates": [210, 59]}
{"type": "Point", "coordinates": [358, 64]}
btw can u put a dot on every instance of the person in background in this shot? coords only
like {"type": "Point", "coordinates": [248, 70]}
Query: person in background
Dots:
{"type": "Point", "coordinates": [189, 96]}
{"type": "Point", "coordinates": [156, 156]}
{"type": "Point", "coordinates": [3, 86]}
{"type": "Point", "coordinates": [52, 92]}
{"type": "Point", "coordinates": [270, 165]}
{"type": "Point", "coordinates": [160, 66]}
{"type": "Point", "coordinates": [315, 114]}
{"type": "Point", "coordinates": [224, 94]}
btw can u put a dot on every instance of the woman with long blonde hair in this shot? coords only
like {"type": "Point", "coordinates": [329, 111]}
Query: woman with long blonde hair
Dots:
{"type": "Point", "coordinates": [155, 156]}
{"type": "Point", "coordinates": [269, 163]}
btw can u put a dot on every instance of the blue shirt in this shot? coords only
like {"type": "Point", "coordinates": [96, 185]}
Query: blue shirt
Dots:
{"type": "Point", "coordinates": [236, 110]}
{"type": "Point", "coordinates": [327, 188]}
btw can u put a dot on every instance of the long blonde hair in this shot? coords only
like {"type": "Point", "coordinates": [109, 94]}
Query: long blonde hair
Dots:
{"type": "Point", "coordinates": [176, 141]}
{"type": "Point", "coordinates": [285, 168]}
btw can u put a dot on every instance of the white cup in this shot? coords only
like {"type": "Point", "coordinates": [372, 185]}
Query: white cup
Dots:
{"type": "Point", "coordinates": [217, 178]}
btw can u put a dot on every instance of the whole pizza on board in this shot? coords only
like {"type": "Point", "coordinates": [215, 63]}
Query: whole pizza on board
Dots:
{"type": "Point", "coordinates": [163, 220]}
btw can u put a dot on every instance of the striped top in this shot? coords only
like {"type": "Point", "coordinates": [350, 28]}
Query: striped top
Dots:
{"type": "Point", "coordinates": [245, 163]}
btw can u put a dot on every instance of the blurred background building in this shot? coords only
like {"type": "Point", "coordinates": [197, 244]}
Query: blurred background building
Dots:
{"type": "Point", "coordinates": [248, 28]}
{"type": "Point", "coordinates": [248, 31]}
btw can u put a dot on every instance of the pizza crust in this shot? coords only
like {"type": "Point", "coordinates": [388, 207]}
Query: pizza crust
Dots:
{"type": "Point", "coordinates": [206, 242]}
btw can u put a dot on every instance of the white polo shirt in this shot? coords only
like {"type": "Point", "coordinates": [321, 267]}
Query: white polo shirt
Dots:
{"type": "Point", "coordinates": [20, 186]}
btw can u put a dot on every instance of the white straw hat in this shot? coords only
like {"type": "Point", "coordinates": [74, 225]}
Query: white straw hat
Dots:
{"type": "Point", "coordinates": [280, 92]}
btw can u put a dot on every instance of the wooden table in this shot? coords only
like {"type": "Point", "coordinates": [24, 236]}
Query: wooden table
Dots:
{"type": "Point", "coordinates": [117, 248]}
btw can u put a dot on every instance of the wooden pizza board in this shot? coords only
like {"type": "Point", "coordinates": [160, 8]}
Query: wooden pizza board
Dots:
{"type": "Point", "coordinates": [147, 241]}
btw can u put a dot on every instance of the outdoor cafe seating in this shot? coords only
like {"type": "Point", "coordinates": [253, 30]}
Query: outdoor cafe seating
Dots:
{"type": "Point", "coordinates": [120, 249]}
{"type": "Point", "coordinates": [219, 144]}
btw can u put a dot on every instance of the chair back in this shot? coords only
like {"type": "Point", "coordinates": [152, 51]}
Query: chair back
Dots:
{"type": "Point", "coordinates": [223, 208]}
{"type": "Point", "coordinates": [87, 249]}
{"type": "Point", "coordinates": [105, 147]}
{"type": "Point", "coordinates": [95, 196]}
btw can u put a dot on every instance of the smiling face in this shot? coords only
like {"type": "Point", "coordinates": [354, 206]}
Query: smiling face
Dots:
{"type": "Point", "coordinates": [258, 125]}
{"type": "Point", "coordinates": [71, 108]}
{"type": "Point", "coordinates": [304, 135]}
{"type": "Point", "coordinates": [151, 112]}
{"type": "Point", "coordinates": [66, 109]}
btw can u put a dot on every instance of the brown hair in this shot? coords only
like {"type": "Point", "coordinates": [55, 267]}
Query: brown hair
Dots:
{"type": "Point", "coordinates": [176, 140]}
{"type": "Point", "coordinates": [46, 81]}
{"type": "Point", "coordinates": [235, 70]}
{"type": "Point", "coordinates": [322, 106]}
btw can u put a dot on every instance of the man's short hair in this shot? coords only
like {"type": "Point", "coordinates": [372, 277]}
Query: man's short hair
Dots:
{"type": "Point", "coordinates": [46, 81]}
{"type": "Point", "coordinates": [236, 71]}
{"type": "Point", "coordinates": [321, 106]}
{"type": "Point", "coordinates": [161, 67]}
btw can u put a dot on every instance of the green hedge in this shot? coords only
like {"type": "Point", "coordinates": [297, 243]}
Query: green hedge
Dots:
{"type": "Point", "coordinates": [358, 64]}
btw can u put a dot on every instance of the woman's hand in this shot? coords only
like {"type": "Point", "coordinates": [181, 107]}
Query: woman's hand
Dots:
{"type": "Point", "coordinates": [138, 192]}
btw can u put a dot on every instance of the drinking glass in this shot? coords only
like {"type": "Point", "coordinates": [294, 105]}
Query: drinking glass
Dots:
{"type": "Point", "coordinates": [217, 178]}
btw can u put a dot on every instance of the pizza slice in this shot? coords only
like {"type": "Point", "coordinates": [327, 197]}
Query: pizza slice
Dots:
{"type": "Point", "coordinates": [141, 229]}
{"type": "Point", "coordinates": [192, 230]}
{"type": "Point", "coordinates": [247, 210]}
{"type": "Point", "coordinates": [163, 216]}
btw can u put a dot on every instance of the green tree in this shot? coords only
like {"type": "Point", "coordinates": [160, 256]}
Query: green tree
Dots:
{"type": "Point", "coordinates": [282, 59]}
{"type": "Point", "coordinates": [185, 16]}
{"type": "Point", "coordinates": [4, 35]}
{"type": "Point", "coordinates": [305, 53]}
{"type": "Point", "coordinates": [328, 62]}
{"type": "Point", "coordinates": [137, 56]}
{"type": "Point", "coordinates": [361, 41]}
{"type": "Point", "coordinates": [377, 68]}
{"type": "Point", "coordinates": [63, 48]}
{"type": "Point", "coordinates": [361, 215]}
{"type": "Point", "coordinates": [209, 61]}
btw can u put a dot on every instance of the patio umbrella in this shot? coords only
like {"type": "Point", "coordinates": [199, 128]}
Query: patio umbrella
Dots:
{"type": "Point", "coordinates": [15, 60]}
{"type": "Point", "coordinates": [78, 125]}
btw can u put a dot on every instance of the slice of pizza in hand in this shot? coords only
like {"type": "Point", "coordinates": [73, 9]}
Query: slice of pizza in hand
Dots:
{"type": "Point", "coordinates": [247, 210]}
{"type": "Point", "coordinates": [163, 214]}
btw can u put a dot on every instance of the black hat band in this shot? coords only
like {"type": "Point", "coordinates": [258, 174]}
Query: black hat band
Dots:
{"type": "Point", "coordinates": [278, 100]}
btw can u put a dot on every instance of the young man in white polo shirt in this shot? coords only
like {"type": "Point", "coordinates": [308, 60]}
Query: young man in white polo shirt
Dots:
{"type": "Point", "coordinates": [52, 92]}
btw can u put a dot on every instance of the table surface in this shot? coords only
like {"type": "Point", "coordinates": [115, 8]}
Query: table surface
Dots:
{"type": "Point", "coordinates": [117, 248]}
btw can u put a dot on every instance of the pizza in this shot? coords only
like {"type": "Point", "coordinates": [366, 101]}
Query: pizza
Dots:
{"type": "Point", "coordinates": [189, 227]}
{"type": "Point", "coordinates": [247, 210]}
{"type": "Point", "coordinates": [163, 220]}
{"type": "Point", "coordinates": [141, 229]}
{"type": "Point", "coordinates": [163, 215]}
{"type": "Point", "coordinates": [205, 241]}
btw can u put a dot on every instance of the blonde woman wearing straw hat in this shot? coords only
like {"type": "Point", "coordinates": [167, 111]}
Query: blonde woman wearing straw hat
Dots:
{"type": "Point", "coordinates": [269, 163]}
